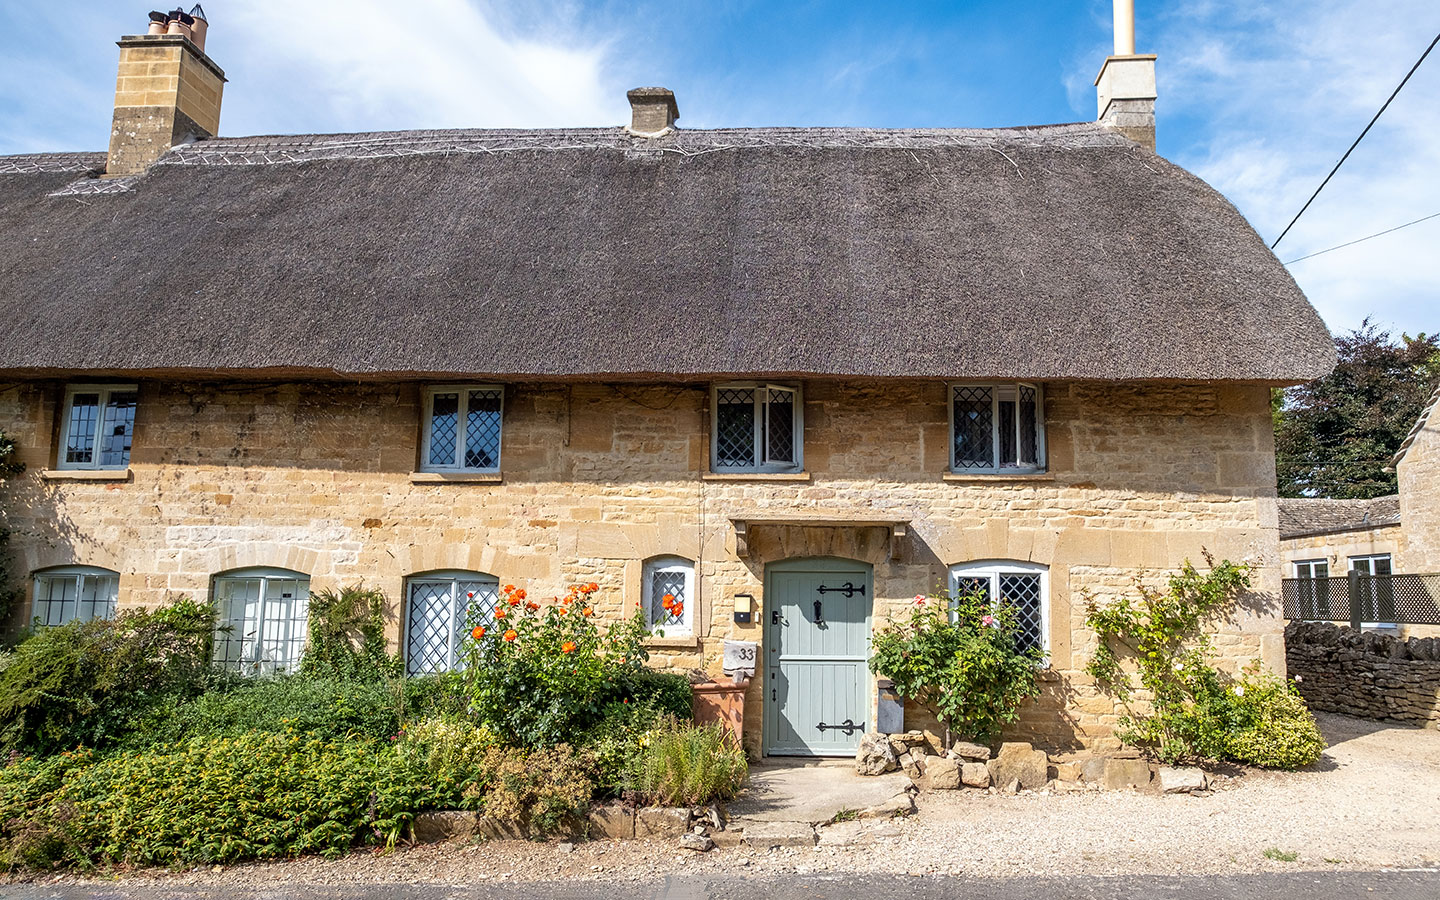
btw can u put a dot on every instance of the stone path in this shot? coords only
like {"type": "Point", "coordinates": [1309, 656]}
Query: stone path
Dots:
{"type": "Point", "coordinates": [811, 792]}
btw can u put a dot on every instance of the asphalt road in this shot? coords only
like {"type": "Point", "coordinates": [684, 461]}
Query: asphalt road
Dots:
{"type": "Point", "coordinates": [1420, 885]}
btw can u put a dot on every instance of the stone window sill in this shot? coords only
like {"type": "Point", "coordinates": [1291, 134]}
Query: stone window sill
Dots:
{"type": "Point", "coordinates": [679, 642]}
{"type": "Point", "coordinates": [755, 476]}
{"type": "Point", "coordinates": [991, 477]}
{"type": "Point", "coordinates": [456, 478]}
{"type": "Point", "coordinates": [106, 475]}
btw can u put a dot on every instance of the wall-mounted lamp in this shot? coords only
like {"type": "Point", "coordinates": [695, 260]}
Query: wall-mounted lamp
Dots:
{"type": "Point", "coordinates": [744, 608]}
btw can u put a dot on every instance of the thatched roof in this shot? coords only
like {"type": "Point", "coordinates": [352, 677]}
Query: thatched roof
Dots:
{"type": "Point", "coordinates": [1063, 252]}
{"type": "Point", "coordinates": [1307, 516]}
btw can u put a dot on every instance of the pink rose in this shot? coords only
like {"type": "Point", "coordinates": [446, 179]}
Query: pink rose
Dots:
{"type": "Point", "coordinates": [988, 620]}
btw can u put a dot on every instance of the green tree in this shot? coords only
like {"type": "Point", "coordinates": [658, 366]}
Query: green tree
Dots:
{"type": "Point", "coordinates": [9, 468]}
{"type": "Point", "coordinates": [1335, 436]}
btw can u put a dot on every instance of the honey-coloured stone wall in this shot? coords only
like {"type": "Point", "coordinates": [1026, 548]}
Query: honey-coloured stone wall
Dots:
{"type": "Point", "coordinates": [597, 478]}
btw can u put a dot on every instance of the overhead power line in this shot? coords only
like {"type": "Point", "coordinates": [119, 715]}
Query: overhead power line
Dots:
{"type": "Point", "coordinates": [1393, 95]}
{"type": "Point", "coordinates": [1364, 239]}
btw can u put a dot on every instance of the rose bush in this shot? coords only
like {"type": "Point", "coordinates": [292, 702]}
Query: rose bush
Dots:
{"type": "Point", "coordinates": [541, 674]}
{"type": "Point", "coordinates": [958, 658]}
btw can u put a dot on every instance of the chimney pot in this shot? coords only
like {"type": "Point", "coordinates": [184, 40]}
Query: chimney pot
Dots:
{"type": "Point", "coordinates": [652, 111]}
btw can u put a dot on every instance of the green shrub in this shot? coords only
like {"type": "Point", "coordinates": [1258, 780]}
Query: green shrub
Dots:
{"type": "Point", "coordinates": [663, 691]}
{"type": "Point", "coordinates": [616, 737]}
{"type": "Point", "coordinates": [957, 657]}
{"type": "Point", "coordinates": [1267, 724]}
{"type": "Point", "coordinates": [346, 636]}
{"type": "Point", "coordinates": [1191, 709]}
{"type": "Point", "coordinates": [454, 755]}
{"type": "Point", "coordinates": [94, 683]}
{"type": "Point", "coordinates": [31, 832]}
{"type": "Point", "coordinates": [329, 708]}
{"type": "Point", "coordinates": [333, 708]}
{"type": "Point", "coordinates": [215, 800]}
{"type": "Point", "coordinates": [540, 792]}
{"type": "Point", "coordinates": [540, 675]}
{"type": "Point", "coordinates": [681, 764]}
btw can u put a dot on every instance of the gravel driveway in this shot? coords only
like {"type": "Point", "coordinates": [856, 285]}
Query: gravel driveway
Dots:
{"type": "Point", "coordinates": [1370, 803]}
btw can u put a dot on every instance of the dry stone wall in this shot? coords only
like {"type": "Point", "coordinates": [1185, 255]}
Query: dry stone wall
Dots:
{"type": "Point", "coordinates": [1364, 673]}
{"type": "Point", "coordinates": [597, 478]}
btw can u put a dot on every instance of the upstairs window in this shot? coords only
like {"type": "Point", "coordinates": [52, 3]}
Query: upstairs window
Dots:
{"type": "Point", "coordinates": [74, 594]}
{"type": "Point", "coordinates": [462, 428]}
{"type": "Point", "coordinates": [1022, 586]}
{"type": "Point", "coordinates": [440, 610]}
{"type": "Point", "coordinates": [756, 428]}
{"type": "Point", "coordinates": [262, 620]}
{"type": "Point", "coordinates": [997, 429]}
{"type": "Point", "coordinates": [669, 589]}
{"type": "Point", "coordinates": [97, 426]}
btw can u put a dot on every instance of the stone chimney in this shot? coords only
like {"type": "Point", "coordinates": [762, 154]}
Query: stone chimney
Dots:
{"type": "Point", "coordinates": [167, 92]}
{"type": "Point", "coordinates": [652, 111]}
{"type": "Point", "coordinates": [1125, 87]}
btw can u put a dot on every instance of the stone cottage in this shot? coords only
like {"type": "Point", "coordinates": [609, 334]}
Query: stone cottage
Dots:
{"type": "Point", "coordinates": [1398, 534]}
{"type": "Point", "coordinates": [791, 376]}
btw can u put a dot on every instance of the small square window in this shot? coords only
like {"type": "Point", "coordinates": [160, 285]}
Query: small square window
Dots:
{"type": "Point", "coordinates": [669, 595]}
{"type": "Point", "coordinates": [97, 427]}
{"type": "Point", "coordinates": [462, 428]}
{"type": "Point", "coordinates": [756, 428]}
{"type": "Point", "coordinates": [997, 429]}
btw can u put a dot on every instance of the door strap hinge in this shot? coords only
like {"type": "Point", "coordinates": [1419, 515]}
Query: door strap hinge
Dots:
{"type": "Point", "coordinates": [849, 727]}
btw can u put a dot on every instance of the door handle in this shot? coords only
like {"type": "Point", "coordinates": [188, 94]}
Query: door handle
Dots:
{"type": "Point", "coordinates": [818, 607]}
{"type": "Point", "coordinates": [774, 617]}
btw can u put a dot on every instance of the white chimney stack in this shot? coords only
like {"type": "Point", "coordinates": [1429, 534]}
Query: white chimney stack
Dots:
{"type": "Point", "coordinates": [1125, 88]}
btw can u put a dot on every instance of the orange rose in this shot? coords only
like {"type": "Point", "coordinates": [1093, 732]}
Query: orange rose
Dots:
{"type": "Point", "coordinates": [478, 632]}
{"type": "Point", "coordinates": [567, 647]}
{"type": "Point", "coordinates": [520, 593]}
{"type": "Point", "coordinates": [531, 605]}
{"type": "Point", "coordinates": [508, 588]}
{"type": "Point", "coordinates": [677, 610]}
{"type": "Point", "coordinates": [667, 601]}
{"type": "Point", "coordinates": [593, 587]}
{"type": "Point", "coordinates": [511, 635]}
{"type": "Point", "coordinates": [499, 612]}
{"type": "Point", "coordinates": [587, 612]}
{"type": "Point", "coordinates": [513, 599]}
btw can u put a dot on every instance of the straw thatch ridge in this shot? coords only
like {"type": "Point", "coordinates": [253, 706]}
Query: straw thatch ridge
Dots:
{"type": "Point", "coordinates": [1064, 252]}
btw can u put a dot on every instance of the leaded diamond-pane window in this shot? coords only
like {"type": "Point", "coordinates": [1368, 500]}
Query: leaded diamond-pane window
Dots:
{"type": "Point", "coordinates": [462, 428]}
{"type": "Point", "coordinates": [98, 427]}
{"type": "Point", "coordinates": [669, 588]}
{"type": "Point", "coordinates": [74, 595]}
{"type": "Point", "coordinates": [262, 620]}
{"type": "Point", "coordinates": [997, 428]}
{"type": "Point", "coordinates": [757, 428]}
{"type": "Point", "coordinates": [441, 609]}
{"type": "Point", "coordinates": [1019, 587]}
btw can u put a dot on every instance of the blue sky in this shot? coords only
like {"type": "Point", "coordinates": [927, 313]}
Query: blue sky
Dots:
{"type": "Point", "coordinates": [1260, 98]}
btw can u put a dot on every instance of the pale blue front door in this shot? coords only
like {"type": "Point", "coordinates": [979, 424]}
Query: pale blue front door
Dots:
{"type": "Point", "coordinates": [817, 644]}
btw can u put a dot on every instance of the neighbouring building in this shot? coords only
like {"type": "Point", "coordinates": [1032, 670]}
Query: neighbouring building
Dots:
{"type": "Point", "coordinates": [791, 376]}
{"type": "Point", "coordinates": [1392, 537]}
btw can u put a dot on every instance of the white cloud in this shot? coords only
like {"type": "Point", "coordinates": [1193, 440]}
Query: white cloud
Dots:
{"type": "Point", "coordinates": [1282, 88]}
{"type": "Point", "coordinates": [350, 65]}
